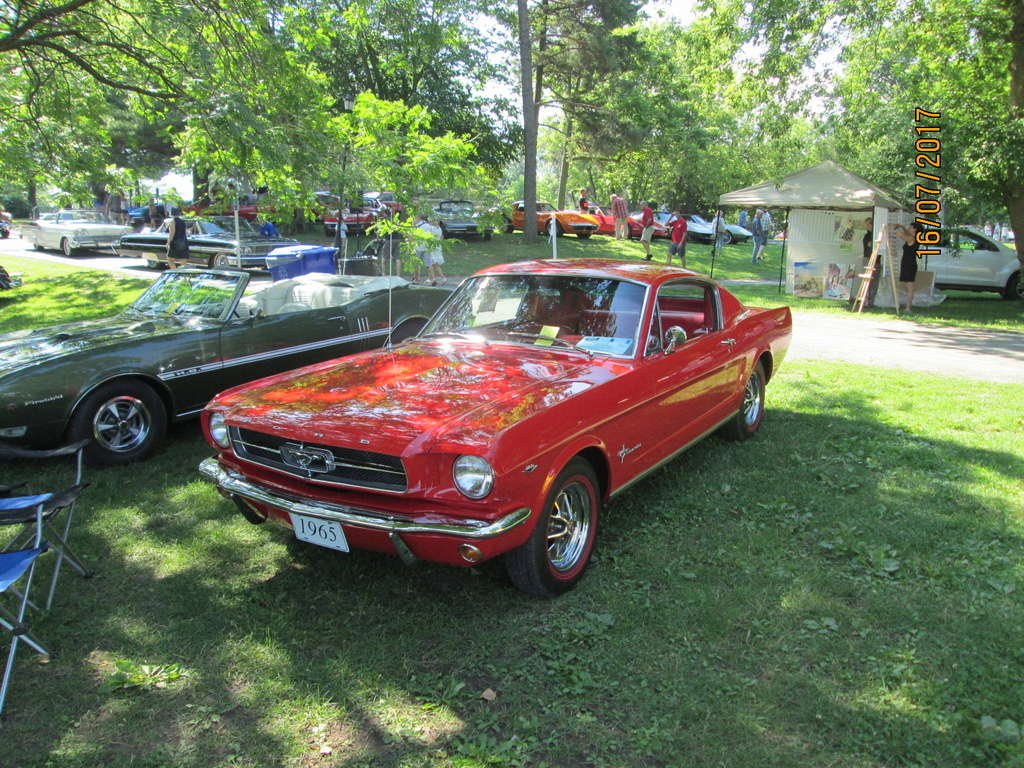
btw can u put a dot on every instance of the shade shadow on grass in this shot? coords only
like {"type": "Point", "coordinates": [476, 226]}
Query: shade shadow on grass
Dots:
{"type": "Point", "coordinates": [740, 611]}
{"type": "Point", "coordinates": [71, 297]}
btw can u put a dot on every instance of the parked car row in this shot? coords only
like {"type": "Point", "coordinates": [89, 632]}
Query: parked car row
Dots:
{"type": "Point", "coordinates": [500, 427]}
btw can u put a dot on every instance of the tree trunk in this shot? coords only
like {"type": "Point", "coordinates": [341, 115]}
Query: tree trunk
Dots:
{"type": "Point", "coordinates": [529, 127]}
{"type": "Point", "coordinates": [563, 171]}
{"type": "Point", "coordinates": [1013, 189]}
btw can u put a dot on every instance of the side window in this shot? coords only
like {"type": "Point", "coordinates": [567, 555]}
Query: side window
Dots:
{"type": "Point", "coordinates": [690, 305]}
{"type": "Point", "coordinates": [654, 343]}
{"type": "Point", "coordinates": [972, 242]}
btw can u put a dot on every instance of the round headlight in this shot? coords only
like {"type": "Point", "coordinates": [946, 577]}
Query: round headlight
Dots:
{"type": "Point", "coordinates": [473, 476]}
{"type": "Point", "coordinates": [219, 430]}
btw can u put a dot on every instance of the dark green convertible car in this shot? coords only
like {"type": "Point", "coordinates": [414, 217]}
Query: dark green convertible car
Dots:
{"type": "Point", "coordinates": [193, 333]}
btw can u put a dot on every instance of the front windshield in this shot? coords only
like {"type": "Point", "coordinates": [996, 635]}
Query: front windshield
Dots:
{"type": "Point", "coordinates": [83, 217]}
{"type": "Point", "coordinates": [600, 315]}
{"type": "Point", "coordinates": [189, 294]}
{"type": "Point", "coordinates": [225, 225]}
{"type": "Point", "coordinates": [464, 208]}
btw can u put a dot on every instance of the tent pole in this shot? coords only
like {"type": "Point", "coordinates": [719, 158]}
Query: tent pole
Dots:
{"type": "Point", "coordinates": [785, 246]}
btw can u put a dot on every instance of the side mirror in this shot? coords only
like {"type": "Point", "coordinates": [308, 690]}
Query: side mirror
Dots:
{"type": "Point", "coordinates": [674, 337]}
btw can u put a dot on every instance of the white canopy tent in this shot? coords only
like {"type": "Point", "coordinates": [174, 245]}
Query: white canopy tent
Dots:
{"type": "Point", "coordinates": [827, 209]}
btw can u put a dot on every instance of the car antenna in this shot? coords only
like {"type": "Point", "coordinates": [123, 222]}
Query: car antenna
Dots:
{"type": "Point", "coordinates": [391, 257]}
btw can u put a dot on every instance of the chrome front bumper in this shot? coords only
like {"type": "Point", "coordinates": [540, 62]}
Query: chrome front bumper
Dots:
{"type": "Point", "coordinates": [234, 484]}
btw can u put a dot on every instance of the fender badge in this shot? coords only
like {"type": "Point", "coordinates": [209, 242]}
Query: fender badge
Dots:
{"type": "Point", "coordinates": [624, 452]}
{"type": "Point", "coordinates": [529, 468]}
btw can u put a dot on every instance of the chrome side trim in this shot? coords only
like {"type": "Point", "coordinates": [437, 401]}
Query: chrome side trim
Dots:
{"type": "Point", "coordinates": [235, 484]}
{"type": "Point", "coordinates": [221, 364]}
{"type": "Point", "coordinates": [670, 457]}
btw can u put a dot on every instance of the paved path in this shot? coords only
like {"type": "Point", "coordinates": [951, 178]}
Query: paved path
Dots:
{"type": "Point", "coordinates": [975, 353]}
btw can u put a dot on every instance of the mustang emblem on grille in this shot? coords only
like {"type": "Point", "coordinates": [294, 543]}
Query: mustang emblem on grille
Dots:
{"type": "Point", "coordinates": [310, 459]}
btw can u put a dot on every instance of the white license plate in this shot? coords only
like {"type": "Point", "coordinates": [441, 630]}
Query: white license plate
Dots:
{"type": "Point", "coordinates": [323, 533]}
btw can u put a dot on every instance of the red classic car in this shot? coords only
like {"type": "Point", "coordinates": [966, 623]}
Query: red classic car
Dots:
{"type": "Point", "coordinates": [606, 224]}
{"type": "Point", "coordinates": [538, 392]}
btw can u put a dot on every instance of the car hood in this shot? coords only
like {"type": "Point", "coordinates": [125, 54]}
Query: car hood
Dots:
{"type": "Point", "coordinates": [30, 347]}
{"type": "Point", "coordinates": [425, 394]}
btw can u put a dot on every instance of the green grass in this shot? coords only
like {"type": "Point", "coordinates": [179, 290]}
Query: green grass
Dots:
{"type": "Point", "coordinates": [58, 293]}
{"type": "Point", "coordinates": [842, 590]}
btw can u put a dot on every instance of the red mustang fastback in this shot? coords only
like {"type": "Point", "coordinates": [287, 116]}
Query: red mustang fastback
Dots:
{"type": "Point", "coordinates": [535, 394]}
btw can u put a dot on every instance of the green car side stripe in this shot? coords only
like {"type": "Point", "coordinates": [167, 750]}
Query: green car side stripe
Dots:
{"type": "Point", "coordinates": [193, 370]}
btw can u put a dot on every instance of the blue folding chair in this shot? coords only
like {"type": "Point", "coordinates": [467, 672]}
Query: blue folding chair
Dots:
{"type": "Point", "coordinates": [18, 567]}
{"type": "Point", "coordinates": [55, 530]}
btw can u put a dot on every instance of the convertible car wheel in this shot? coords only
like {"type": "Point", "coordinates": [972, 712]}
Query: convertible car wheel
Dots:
{"type": "Point", "coordinates": [407, 330]}
{"type": "Point", "coordinates": [748, 419]}
{"type": "Point", "coordinates": [583, 235]}
{"type": "Point", "coordinates": [125, 421]}
{"type": "Point", "coordinates": [220, 261]}
{"type": "Point", "coordinates": [65, 246]}
{"type": "Point", "coordinates": [553, 559]}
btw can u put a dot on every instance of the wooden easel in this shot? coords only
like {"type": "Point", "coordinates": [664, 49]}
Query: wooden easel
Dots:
{"type": "Point", "coordinates": [866, 276]}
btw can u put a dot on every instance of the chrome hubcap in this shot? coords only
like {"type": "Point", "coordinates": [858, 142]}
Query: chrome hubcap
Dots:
{"type": "Point", "coordinates": [121, 424]}
{"type": "Point", "coordinates": [752, 400]}
{"type": "Point", "coordinates": [568, 527]}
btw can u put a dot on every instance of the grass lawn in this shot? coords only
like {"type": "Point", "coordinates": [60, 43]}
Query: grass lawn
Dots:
{"type": "Point", "coordinates": [58, 293]}
{"type": "Point", "coordinates": [843, 590]}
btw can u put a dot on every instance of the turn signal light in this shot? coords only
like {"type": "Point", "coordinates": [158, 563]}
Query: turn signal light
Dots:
{"type": "Point", "coordinates": [470, 553]}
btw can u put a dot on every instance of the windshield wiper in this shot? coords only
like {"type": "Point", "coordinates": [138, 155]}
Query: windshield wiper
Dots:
{"type": "Point", "coordinates": [553, 339]}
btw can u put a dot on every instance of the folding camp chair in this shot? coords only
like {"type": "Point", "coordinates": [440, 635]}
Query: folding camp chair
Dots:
{"type": "Point", "coordinates": [30, 511]}
{"type": "Point", "coordinates": [56, 533]}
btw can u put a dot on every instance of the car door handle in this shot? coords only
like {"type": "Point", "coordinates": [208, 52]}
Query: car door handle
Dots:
{"type": "Point", "coordinates": [337, 317]}
{"type": "Point", "coordinates": [730, 342]}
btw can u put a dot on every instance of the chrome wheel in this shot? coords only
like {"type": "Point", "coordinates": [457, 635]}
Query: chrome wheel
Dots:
{"type": "Point", "coordinates": [569, 527]}
{"type": "Point", "coordinates": [121, 424]}
{"type": "Point", "coordinates": [65, 246]}
{"type": "Point", "coordinates": [753, 399]}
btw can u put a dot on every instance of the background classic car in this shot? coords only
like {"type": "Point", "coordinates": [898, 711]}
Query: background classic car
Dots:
{"type": "Point", "coordinates": [606, 224]}
{"type": "Point", "coordinates": [572, 222]}
{"type": "Point", "coordinates": [537, 392]}
{"type": "Point", "coordinates": [73, 230]}
{"type": "Point", "coordinates": [211, 243]}
{"type": "Point", "coordinates": [460, 218]}
{"type": "Point", "coordinates": [193, 333]}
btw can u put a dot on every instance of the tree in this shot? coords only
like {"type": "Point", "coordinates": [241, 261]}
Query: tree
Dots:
{"type": "Point", "coordinates": [529, 124]}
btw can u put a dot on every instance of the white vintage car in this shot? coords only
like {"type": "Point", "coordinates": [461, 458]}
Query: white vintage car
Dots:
{"type": "Point", "coordinates": [73, 230]}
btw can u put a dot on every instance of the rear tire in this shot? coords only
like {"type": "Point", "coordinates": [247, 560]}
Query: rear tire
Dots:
{"type": "Point", "coordinates": [1014, 288]}
{"type": "Point", "coordinates": [747, 420]}
{"type": "Point", "coordinates": [124, 420]}
{"type": "Point", "coordinates": [407, 330]}
{"type": "Point", "coordinates": [553, 559]}
{"type": "Point", "coordinates": [583, 235]}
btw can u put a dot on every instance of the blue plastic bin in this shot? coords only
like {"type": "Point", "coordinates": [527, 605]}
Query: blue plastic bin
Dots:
{"type": "Point", "coordinates": [294, 260]}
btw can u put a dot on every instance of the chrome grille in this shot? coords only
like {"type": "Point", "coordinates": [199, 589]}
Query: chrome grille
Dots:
{"type": "Point", "coordinates": [332, 465]}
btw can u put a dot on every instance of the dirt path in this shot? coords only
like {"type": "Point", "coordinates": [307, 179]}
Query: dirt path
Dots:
{"type": "Point", "coordinates": [974, 353]}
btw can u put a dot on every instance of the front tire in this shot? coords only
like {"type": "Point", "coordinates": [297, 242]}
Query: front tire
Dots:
{"type": "Point", "coordinates": [219, 261]}
{"type": "Point", "coordinates": [553, 559]}
{"type": "Point", "coordinates": [583, 235]}
{"type": "Point", "coordinates": [747, 420]}
{"type": "Point", "coordinates": [125, 421]}
{"type": "Point", "coordinates": [66, 249]}
{"type": "Point", "coordinates": [1014, 288]}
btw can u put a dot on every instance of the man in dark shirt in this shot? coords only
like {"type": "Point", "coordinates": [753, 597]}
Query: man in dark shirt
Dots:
{"type": "Point", "coordinates": [584, 203]}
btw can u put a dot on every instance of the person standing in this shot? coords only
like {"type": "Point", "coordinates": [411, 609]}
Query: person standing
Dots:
{"type": "Point", "coordinates": [757, 229]}
{"type": "Point", "coordinates": [743, 218]}
{"type": "Point", "coordinates": [434, 257]}
{"type": "Point", "coordinates": [678, 239]}
{"type": "Point", "coordinates": [177, 243]}
{"type": "Point", "coordinates": [584, 204]}
{"type": "Point", "coordinates": [621, 213]}
{"type": "Point", "coordinates": [721, 233]}
{"type": "Point", "coordinates": [647, 222]}
{"type": "Point", "coordinates": [908, 263]}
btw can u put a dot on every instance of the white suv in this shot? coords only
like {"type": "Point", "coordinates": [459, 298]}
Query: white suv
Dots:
{"type": "Point", "coordinates": [969, 260]}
